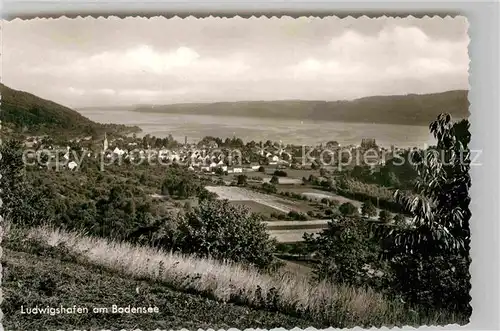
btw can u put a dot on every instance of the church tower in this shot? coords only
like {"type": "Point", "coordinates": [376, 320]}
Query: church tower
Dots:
{"type": "Point", "coordinates": [105, 142]}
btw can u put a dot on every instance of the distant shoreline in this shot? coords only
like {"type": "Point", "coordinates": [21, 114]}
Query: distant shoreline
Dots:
{"type": "Point", "coordinates": [410, 109]}
{"type": "Point", "coordinates": [309, 120]}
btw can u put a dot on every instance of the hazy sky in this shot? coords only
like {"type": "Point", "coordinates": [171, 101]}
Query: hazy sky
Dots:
{"type": "Point", "coordinates": [91, 62]}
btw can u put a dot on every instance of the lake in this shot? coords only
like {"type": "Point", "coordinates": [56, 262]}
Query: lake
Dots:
{"type": "Point", "coordinates": [290, 131]}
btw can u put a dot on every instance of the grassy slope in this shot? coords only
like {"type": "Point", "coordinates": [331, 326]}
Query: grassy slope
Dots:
{"type": "Point", "coordinates": [409, 109]}
{"type": "Point", "coordinates": [31, 279]}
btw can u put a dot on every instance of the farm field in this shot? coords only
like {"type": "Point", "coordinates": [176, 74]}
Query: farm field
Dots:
{"type": "Point", "coordinates": [286, 223]}
{"type": "Point", "coordinates": [299, 173]}
{"type": "Point", "coordinates": [256, 207]}
{"type": "Point", "coordinates": [291, 173]}
{"type": "Point", "coordinates": [318, 194]}
{"type": "Point", "coordinates": [291, 236]}
{"type": "Point", "coordinates": [292, 231]}
{"type": "Point", "coordinates": [284, 180]}
{"type": "Point", "coordinates": [291, 227]}
{"type": "Point", "coordinates": [233, 193]}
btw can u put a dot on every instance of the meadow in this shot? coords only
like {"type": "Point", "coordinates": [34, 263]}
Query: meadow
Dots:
{"type": "Point", "coordinates": [152, 275]}
{"type": "Point", "coordinates": [233, 193]}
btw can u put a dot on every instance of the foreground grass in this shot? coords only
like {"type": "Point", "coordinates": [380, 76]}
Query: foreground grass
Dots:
{"type": "Point", "coordinates": [31, 279]}
{"type": "Point", "coordinates": [323, 303]}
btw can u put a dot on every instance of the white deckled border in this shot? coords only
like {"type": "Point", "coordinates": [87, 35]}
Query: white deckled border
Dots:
{"type": "Point", "coordinates": [1, 216]}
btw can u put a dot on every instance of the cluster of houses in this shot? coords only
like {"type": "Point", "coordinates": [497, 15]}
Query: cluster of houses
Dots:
{"type": "Point", "coordinates": [207, 158]}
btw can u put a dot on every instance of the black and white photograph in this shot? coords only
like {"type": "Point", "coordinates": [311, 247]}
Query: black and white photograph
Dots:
{"type": "Point", "coordinates": [214, 173]}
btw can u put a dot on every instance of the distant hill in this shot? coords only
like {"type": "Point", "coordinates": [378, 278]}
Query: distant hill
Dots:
{"type": "Point", "coordinates": [412, 109]}
{"type": "Point", "coordinates": [27, 113]}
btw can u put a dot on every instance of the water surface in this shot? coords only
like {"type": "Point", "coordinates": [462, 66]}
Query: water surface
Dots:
{"type": "Point", "coordinates": [290, 131]}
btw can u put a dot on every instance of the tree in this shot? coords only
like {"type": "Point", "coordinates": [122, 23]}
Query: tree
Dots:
{"type": "Point", "coordinates": [220, 230]}
{"type": "Point", "coordinates": [362, 173]}
{"type": "Point", "coordinates": [241, 180]}
{"type": "Point", "coordinates": [347, 253]}
{"type": "Point", "coordinates": [21, 204]}
{"type": "Point", "coordinates": [368, 209]}
{"type": "Point", "coordinates": [269, 188]}
{"type": "Point", "coordinates": [178, 182]}
{"type": "Point", "coordinates": [274, 180]}
{"type": "Point", "coordinates": [205, 194]}
{"type": "Point", "coordinates": [348, 209]}
{"type": "Point", "coordinates": [384, 216]}
{"type": "Point", "coordinates": [280, 173]}
{"type": "Point", "coordinates": [433, 253]}
{"type": "Point", "coordinates": [387, 177]}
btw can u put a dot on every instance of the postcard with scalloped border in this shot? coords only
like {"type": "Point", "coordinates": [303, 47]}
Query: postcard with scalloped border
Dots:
{"type": "Point", "coordinates": [167, 173]}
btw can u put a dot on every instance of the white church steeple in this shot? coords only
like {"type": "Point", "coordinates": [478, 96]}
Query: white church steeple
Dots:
{"type": "Point", "coordinates": [105, 144]}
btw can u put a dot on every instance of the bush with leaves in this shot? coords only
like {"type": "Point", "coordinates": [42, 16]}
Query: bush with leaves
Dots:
{"type": "Point", "coordinates": [179, 183]}
{"type": "Point", "coordinates": [280, 173]}
{"type": "Point", "coordinates": [348, 253]}
{"type": "Point", "coordinates": [399, 220]}
{"type": "Point", "coordinates": [21, 204]}
{"type": "Point", "coordinates": [224, 231]}
{"type": "Point", "coordinates": [433, 253]}
{"type": "Point", "coordinates": [205, 194]}
{"type": "Point", "coordinates": [368, 209]}
{"type": "Point", "coordinates": [269, 188]}
{"type": "Point", "coordinates": [241, 180]}
{"type": "Point", "coordinates": [348, 209]}
{"type": "Point", "coordinates": [297, 216]}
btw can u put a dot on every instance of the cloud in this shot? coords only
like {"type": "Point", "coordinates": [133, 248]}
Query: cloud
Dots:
{"type": "Point", "coordinates": [395, 53]}
{"type": "Point", "coordinates": [143, 59]}
{"type": "Point", "coordinates": [90, 61]}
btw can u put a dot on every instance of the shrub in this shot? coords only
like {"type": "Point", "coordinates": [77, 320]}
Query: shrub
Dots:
{"type": "Point", "coordinates": [280, 173]}
{"type": "Point", "coordinates": [348, 209]}
{"type": "Point", "coordinates": [269, 188]}
{"type": "Point", "coordinates": [21, 203]}
{"type": "Point", "coordinates": [433, 256]}
{"type": "Point", "coordinates": [241, 180]}
{"type": "Point", "coordinates": [274, 180]}
{"type": "Point", "coordinates": [368, 209]}
{"type": "Point", "coordinates": [347, 253]}
{"type": "Point", "coordinates": [297, 216]}
{"type": "Point", "coordinates": [205, 194]}
{"type": "Point", "coordinates": [222, 231]}
{"type": "Point", "coordinates": [179, 183]}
